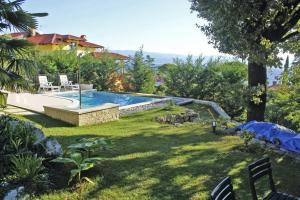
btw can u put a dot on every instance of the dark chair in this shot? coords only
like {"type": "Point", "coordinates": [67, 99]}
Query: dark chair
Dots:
{"type": "Point", "coordinates": [223, 191]}
{"type": "Point", "coordinates": [260, 169]}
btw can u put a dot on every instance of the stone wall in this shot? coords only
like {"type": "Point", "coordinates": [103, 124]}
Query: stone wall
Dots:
{"type": "Point", "coordinates": [126, 110]}
{"type": "Point", "coordinates": [96, 115]}
{"type": "Point", "coordinates": [216, 108]}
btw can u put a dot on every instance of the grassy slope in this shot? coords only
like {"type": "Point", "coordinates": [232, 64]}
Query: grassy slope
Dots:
{"type": "Point", "coordinates": [158, 161]}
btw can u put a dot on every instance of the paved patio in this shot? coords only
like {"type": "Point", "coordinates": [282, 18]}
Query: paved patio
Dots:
{"type": "Point", "coordinates": [36, 102]}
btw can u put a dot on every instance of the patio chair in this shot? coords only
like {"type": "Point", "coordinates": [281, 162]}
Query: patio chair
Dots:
{"type": "Point", "coordinates": [66, 84]}
{"type": "Point", "coordinates": [45, 85]}
{"type": "Point", "coordinates": [223, 191]}
{"type": "Point", "coordinates": [260, 169]}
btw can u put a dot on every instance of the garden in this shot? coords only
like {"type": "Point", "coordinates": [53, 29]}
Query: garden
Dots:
{"type": "Point", "coordinates": [144, 159]}
{"type": "Point", "coordinates": [171, 152]}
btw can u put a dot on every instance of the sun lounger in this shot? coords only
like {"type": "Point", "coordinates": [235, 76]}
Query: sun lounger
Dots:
{"type": "Point", "coordinates": [66, 84]}
{"type": "Point", "coordinates": [46, 86]}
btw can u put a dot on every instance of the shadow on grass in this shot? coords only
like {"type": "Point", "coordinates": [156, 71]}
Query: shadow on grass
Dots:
{"type": "Point", "coordinates": [175, 166]}
{"type": "Point", "coordinates": [46, 121]}
{"type": "Point", "coordinates": [152, 161]}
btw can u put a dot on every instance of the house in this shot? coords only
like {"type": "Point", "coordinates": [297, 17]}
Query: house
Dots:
{"type": "Point", "coordinates": [54, 41]}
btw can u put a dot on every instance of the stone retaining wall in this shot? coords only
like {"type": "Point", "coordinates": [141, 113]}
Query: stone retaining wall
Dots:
{"type": "Point", "coordinates": [126, 110]}
{"type": "Point", "coordinates": [215, 106]}
{"type": "Point", "coordinates": [96, 115]}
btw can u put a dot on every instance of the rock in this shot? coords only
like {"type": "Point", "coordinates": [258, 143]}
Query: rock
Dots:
{"type": "Point", "coordinates": [188, 116]}
{"type": "Point", "coordinates": [15, 194]}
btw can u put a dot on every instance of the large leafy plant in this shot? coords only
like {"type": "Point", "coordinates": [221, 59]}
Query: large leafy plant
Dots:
{"type": "Point", "coordinates": [80, 156]}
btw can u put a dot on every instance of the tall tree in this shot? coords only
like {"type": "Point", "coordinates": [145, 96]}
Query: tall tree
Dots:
{"type": "Point", "coordinates": [141, 74]}
{"type": "Point", "coordinates": [14, 54]}
{"type": "Point", "coordinates": [285, 73]}
{"type": "Point", "coordinates": [252, 30]}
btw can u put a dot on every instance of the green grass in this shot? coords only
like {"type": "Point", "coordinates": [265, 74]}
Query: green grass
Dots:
{"type": "Point", "coordinates": [149, 160]}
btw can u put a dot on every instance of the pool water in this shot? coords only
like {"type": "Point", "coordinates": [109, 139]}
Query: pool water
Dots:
{"type": "Point", "coordinates": [94, 98]}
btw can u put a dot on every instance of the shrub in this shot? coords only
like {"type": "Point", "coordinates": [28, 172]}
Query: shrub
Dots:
{"type": "Point", "coordinates": [224, 82]}
{"type": "Point", "coordinates": [247, 137]}
{"type": "Point", "coordinates": [27, 167]}
{"type": "Point", "coordinates": [102, 72]}
{"type": "Point", "coordinates": [80, 156]}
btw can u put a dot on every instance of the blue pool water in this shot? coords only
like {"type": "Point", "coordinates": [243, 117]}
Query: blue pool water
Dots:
{"type": "Point", "coordinates": [93, 98]}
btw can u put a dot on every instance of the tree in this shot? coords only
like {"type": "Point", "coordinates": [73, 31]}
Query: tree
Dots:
{"type": "Point", "coordinates": [141, 74]}
{"type": "Point", "coordinates": [285, 73]}
{"type": "Point", "coordinates": [252, 30]}
{"type": "Point", "coordinates": [15, 62]}
{"type": "Point", "coordinates": [101, 72]}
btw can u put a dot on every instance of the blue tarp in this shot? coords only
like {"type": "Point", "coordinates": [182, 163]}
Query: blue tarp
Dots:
{"type": "Point", "coordinates": [289, 139]}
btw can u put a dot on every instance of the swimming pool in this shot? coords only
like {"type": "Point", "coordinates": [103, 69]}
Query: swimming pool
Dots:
{"type": "Point", "coordinates": [94, 98]}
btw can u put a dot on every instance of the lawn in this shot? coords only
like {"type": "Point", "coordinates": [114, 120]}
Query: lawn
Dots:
{"type": "Point", "coordinates": [149, 160]}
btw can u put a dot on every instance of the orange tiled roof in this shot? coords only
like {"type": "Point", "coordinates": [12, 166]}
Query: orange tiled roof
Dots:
{"type": "Point", "coordinates": [54, 38]}
{"type": "Point", "coordinates": [88, 44]}
{"type": "Point", "coordinates": [115, 55]}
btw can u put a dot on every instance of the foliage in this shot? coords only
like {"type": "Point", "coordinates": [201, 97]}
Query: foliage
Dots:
{"type": "Point", "coordinates": [24, 155]}
{"type": "Point", "coordinates": [80, 155]}
{"type": "Point", "coordinates": [247, 137]}
{"type": "Point", "coordinates": [59, 61]}
{"type": "Point", "coordinates": [27, 167]}
{"type": "Point", "coordinates": [141, 75]}
{"type": "Point", "coordinates": [16, 136]}
{"type": "Point", "coordinates": [248, 32]}
{"type": "Point", "coordinates": [285, 73]}
{"type": "Point", "coordinates": [89, 145]}
{"type": "Point", "coordinates": [181, 78]}
{"type": "Point", "coordinates": [15, 57]}
{"type": "Point", "coordinates": [284, 99]}
{"type": "Point", "coordinates": [254, 30]}
{"type": "Point", "coordinates": [104, 72]}
{"type": "Point", "coordinates": [221, 81]}
{"type": "Point", "coordinates": [101, 72]}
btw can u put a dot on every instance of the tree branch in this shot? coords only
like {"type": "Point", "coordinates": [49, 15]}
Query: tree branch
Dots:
{"type": "Point", "coordinates": [282, 27]}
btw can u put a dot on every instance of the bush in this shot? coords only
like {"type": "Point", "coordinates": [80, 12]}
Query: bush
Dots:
{"type": "Point", "coordinates": [247, 137]}
{"type": "Point", "coordinates": [221, 81]}
{"type": "Point", "coordinates": [102, 73]}
{"type": "Point", "coordinates": [283, 105]}
{"type": "Point", "coordinates": [27, 168]}
{"type": "Point", "coordinates": [24, 152]}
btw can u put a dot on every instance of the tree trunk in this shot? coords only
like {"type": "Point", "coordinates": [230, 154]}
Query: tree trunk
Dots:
{"type": "Point", "coordinates": [257, 75]}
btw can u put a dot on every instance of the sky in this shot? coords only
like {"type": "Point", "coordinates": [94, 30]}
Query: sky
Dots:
{"type": "Point", "coordinates": [165, 26]}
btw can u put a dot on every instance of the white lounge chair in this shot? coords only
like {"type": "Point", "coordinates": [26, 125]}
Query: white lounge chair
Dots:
{"type": "Point", "coordinates": [66, 84]}
{"type": "Point", "coordinates": [46, 86]}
